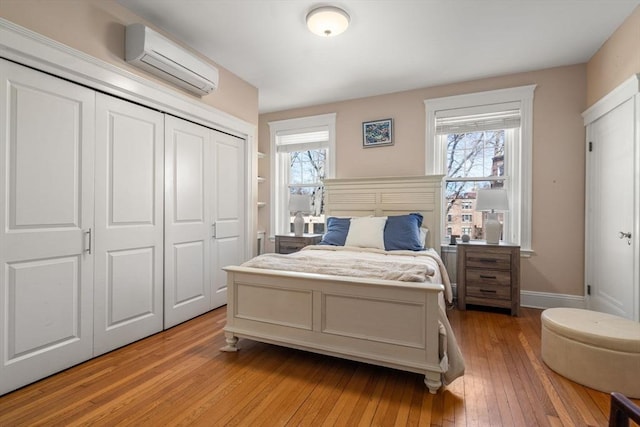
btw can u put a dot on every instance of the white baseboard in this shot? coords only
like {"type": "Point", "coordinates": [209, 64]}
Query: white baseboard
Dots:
{"type": "Point", "coordinates": [544, 300]}
{"type": "Point", "coordinates": [549, 300]}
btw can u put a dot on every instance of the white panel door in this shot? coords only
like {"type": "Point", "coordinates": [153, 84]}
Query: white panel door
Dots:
{"type": "Point", "coordinates": [46, 214]}
{"type": "Point", "coordinates": [188, 229]}
{"type": "Point", "coordinates": [228, 211]}
{"type": "Point", "coordinates": [610, 256]}
{"type": "Point", "coordinates": [129, 225]}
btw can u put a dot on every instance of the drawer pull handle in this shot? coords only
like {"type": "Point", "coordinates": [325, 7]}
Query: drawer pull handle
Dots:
{"type": "Point", "coordinates": [482, 276]}
{"type": "Point", "coordinates": [488, 291]}
{"type": "Point", "coordinates": [488, 260]}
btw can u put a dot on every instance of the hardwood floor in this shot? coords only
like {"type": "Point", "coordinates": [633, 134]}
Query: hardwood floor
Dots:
{"type": "Point", "coordinates": [179, 377]}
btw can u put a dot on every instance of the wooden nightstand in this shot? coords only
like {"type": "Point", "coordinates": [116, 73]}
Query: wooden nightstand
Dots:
{"type": "Point", "coordinates": [489, 275]}
{"type": "Point", "coordinates": [288, 243]}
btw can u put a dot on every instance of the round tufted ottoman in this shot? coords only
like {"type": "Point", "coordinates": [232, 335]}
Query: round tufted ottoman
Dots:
{"type": "Point", "coordinates": [599, 350]}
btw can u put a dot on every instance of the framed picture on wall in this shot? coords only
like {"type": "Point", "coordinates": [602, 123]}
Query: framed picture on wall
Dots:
{"type": "Point", "coordinates": [377, 133]}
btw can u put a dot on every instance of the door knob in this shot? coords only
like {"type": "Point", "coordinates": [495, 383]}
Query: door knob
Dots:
{"type": "Point", "coordinates": [623, 235]}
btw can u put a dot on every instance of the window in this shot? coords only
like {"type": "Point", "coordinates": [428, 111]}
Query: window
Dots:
{"type": "Point", "coordinates": [467, 218]}
{"type": "Point", "coordinates": [483, 140]}
{"type": "Point", "coordinates": [302, 156]}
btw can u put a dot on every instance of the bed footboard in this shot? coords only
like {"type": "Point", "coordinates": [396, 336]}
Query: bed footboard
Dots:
{"type": "Point", "coordinates": [387, 323]}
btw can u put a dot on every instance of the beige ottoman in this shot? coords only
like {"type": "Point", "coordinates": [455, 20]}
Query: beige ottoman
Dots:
{"type": "Point", "coordinates": [599, 350]}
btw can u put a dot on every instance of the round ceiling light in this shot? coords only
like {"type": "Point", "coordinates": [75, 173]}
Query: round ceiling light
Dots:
{"type": "Point", "coordinates": [327, 21]}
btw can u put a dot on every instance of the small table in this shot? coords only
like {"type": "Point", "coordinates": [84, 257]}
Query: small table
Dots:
{"type": "Point", "coordinates": [489, 275]}
{"type": "Point", "coordinates": [289, 243]}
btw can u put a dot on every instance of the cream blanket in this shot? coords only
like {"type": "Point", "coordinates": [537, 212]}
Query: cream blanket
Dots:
{"type": "Point", "coordinates": [380, 269]}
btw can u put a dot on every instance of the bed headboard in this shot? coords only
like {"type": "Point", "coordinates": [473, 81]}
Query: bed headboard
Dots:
{"type": "Point", "coordinates": [388, 196]}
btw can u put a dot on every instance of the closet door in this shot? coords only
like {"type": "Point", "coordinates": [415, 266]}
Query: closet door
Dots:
{"type": "Point", "coordinates": [129, 224]}
{"type": "Point", "coordinates": [228, 211]}
{"type": "Point", "coordinates": [188, 229]}
{"type": "Point", "coordinates": [611, 174]}
{"type": "Point", "coordinates": [46, 214]}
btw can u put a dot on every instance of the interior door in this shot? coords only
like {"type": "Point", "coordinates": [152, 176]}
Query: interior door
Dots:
{"type": "Point", "coordinates": [129, 194]}
{"type": "Point", "coordinates": [610, 202]}
{"type": "Point", "coordinates": [228, 211]}
{"type": "Point", "coordinates": [188, 229]}
{"type": "Point", "coordinates": [46, 214]}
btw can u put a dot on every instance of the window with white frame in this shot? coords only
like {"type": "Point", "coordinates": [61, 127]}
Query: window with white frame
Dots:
{"type": "Point", "coordinates": [483, 140]}
{"type": "Point", "coordinates": [302, 156]}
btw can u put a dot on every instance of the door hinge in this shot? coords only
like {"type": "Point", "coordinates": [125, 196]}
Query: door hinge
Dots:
{"type": "Point", "coordinates": [590, 146]}
{"type": "Point", "coordinates": [588, 289]}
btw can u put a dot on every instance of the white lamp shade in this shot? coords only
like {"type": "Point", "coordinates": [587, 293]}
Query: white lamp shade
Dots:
{"type": "Point", "coordinates": [492, 200]}
{"type": "Point", "coordinates": [299, 203]}
{"type": "Point", "coordinates": [327, 21]}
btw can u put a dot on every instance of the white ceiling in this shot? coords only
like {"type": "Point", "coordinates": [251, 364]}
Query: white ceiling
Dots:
{"type": "Point", "coordinates": [390, 46]}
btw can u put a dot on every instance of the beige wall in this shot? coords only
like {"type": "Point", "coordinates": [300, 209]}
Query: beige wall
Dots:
{"type": "Point", "coordinates": [616, 61]}
{"type": "Point", "coordinates": [558, 160]}
{"type": "Point", "coordinates": [97, 27]}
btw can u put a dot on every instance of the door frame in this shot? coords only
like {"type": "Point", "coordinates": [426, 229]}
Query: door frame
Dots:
{"type": "Point", "coordinates": [34, 50]}
{"type": "Point", "coordinates": [629, 89]}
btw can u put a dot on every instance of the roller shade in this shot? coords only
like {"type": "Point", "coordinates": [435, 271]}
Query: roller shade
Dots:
{"type": "Point", "coordinates": [287, 143]}
{"type": "Point", "coordinates": [481, 118]}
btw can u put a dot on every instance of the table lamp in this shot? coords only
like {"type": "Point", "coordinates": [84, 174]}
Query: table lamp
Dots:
{"type": "Point", "coordinates": [491, 201]}
{"type": "Point", "coordinates": [299, 204]}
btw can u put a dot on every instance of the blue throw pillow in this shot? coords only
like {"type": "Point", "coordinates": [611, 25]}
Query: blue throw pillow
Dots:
{"type": "Point", "coordinates": [337, 230]}
{"type": "Point", "coordinates": [402, 232]}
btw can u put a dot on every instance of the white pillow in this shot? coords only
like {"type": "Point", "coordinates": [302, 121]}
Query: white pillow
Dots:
{"type": "Point", "coordinates": [424, 236]}
{"type": "Point", "coordinates": [366, 232]}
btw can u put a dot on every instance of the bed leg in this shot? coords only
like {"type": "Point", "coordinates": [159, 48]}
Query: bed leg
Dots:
{"type": "Point", "coordinates": [433, 382]}
{"type": "Point", "coordinates": [232, 342]}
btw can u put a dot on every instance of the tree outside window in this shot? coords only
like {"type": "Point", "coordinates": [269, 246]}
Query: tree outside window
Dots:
{"type": "Point", "coordinates": [475, 160]}
{"type": "Point", "coordinates": [306, 176]}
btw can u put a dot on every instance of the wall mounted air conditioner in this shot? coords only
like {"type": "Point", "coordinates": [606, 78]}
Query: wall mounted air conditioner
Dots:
{"type": "Point", "coordinates": [153, 52]}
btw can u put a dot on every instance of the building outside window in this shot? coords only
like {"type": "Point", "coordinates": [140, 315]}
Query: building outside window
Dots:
{"type": "Point", "coordinates": [302, 156]}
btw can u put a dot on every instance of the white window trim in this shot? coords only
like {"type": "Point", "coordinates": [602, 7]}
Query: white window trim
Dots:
{"type": "Point", "coordinates": [289, 126]}
{"type": "Point", "coordinates": [520, 185]}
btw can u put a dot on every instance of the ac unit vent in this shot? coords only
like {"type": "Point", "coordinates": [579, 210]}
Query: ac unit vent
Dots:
{"type": "Point", "coordinates": [153, 52]}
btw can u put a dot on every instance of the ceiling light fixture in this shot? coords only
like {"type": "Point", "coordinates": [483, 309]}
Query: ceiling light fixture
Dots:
{"type": "Point", "coordinates": [327, 21]}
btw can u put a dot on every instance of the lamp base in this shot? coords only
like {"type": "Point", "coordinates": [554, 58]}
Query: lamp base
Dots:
{"type": "Point", "coordinates": [492, 229]}
{"type": "Point", "coordinates": [298, 225]}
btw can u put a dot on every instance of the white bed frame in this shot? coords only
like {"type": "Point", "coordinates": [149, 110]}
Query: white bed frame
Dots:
{"type": "Point", "coordinates": [382, 322]}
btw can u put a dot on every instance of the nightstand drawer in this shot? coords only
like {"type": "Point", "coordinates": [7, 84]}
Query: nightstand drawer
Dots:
{"type": "Point", "coordinates": [498, 261]}
{"type": "Point", "coordinates": [289, 247]}
{"type": "Point", "coordinates": [288, 243]}
{"type": "Point", "coordinates": [489, 291]}
{"type": "Point", "coordinates": [489, 277]}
